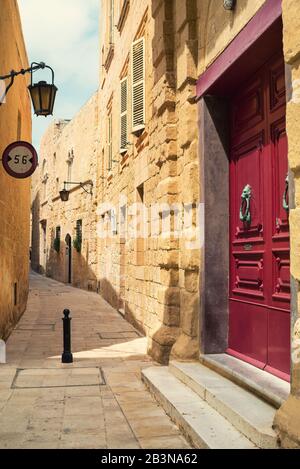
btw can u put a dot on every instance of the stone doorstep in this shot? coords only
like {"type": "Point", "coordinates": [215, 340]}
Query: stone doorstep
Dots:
{"type": "Point", "coordinates": [249, 414]}
{"type": "Point", "coordinates": [202, 425]}
{"type": "Point", "coordinates": [268, 387]}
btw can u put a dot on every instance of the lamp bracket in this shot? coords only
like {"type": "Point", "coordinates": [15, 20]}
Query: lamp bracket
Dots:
{"type": "Point", "coordinates": [33, 68]}
{"type": "Point", "coordinates": [82, 185]}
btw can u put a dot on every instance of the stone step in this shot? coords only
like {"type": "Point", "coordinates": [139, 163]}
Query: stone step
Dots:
{"type": "Point", "coordinates": [249, 414]}
{"type": "Point", "coordinates": [198, 421]}
{"type": "Point", "coordinates": [273, 390]}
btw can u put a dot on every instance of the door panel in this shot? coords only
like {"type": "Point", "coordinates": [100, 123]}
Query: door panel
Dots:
{"type": "Point", "coordinates": [278, 342]}
{"type": "Point", "coordinates": [259, 302]}
{"type": "Point", "coordinates": [248, 325]}
{"type": "Point", "coordinates": [248, 111]}
{"type": "Point", "coordinates": [247, 170]}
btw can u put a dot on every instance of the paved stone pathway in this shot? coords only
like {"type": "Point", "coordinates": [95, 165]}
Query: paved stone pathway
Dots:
{"type": "Point", "coordinates": [97, 402]}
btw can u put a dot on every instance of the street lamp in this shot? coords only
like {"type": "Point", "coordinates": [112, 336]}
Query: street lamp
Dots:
{"type": "Point", "coordinates": [65, 193]}
{"type": "Point", "coordinates": [42, 93]}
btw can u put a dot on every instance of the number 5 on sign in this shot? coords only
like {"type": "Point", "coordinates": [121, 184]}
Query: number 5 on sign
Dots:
{"type": "Point", "coordinates": [20, 160]}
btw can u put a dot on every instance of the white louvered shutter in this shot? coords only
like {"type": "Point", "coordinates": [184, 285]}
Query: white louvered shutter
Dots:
{"type": "Point", "coordinates": [138, 85]}
{"type": "Point", "coordinates": [124, 115]}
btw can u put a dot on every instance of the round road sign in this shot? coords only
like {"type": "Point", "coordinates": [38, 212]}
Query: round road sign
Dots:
{"type": "Point", "coordinates": [20, 160]}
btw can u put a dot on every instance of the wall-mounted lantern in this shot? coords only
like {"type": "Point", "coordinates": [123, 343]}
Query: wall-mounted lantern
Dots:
{"type": "Point", "coordinates": [42, 93]}
{"type": "Point", "coordinates": [65, 193]}
{"type": "Point", "coordinates": [229, 4]}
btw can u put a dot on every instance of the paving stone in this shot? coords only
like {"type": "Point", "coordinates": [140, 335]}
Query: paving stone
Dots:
{"type": "Point", "coordinates": [83, 412]}
{"type": "Point", "coordinates": [164, 442]}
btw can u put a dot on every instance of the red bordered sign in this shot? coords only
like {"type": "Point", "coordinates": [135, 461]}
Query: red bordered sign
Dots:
{"type": "Point", "coordinates": [20, 160]}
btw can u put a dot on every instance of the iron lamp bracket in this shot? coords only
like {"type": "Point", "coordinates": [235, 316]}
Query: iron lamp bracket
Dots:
{"type": "Point", "coordinates": [82, 185]}
{"type": "Point", "coordinates": [33, 68]}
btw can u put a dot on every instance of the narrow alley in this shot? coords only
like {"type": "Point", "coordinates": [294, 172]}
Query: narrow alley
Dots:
{"type": "Point", "coordinates": [97, 402]}
{"type": "Point", "coordinates": [150, 187]}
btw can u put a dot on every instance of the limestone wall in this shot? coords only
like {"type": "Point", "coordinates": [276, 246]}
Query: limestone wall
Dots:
{"type": "Point", "coordinates": [217, 27]}
{"type": "Point", "coordinates": [63, 143]}
{"type": "Point", "coordinates": [15, 124]}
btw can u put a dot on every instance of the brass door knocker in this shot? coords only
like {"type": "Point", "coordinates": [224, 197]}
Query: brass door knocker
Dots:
{"type": "Point", "coordinates": [245, 214]}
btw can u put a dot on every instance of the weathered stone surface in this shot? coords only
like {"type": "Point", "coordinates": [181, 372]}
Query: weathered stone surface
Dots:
{"type": "Point", "coordinates": [190, 316]}
{"type": "Point", "coordinates": [291, 30]}
{"type": "Point", "coordinates": [295, 242]}
{"type": "Point", "coordinates": [186, 348]}
{"type": "Point", "coordinates": [287, 423]}
{"type": "Point", "coordinates": [15, 124]}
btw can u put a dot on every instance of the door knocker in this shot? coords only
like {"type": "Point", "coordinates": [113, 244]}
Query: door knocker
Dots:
{"type": "Point", "coordinates": [245, 214]}
{"type": "Point", "coordinates": [285, 202]}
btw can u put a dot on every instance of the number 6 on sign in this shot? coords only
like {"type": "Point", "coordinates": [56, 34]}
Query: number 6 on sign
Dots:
{"type": "Point", "coordinates": [20, 160]}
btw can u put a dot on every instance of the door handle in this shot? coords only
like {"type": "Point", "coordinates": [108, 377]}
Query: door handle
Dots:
{"type": "Point", "coordinates": [285, 202]}
{"type": "Point", "coordinates": [245, 213]}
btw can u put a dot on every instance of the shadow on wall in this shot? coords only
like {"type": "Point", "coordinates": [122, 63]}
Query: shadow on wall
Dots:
{"type": "Point", "coordinates": [161, 339]}
{"type": "Point", "coordinates": [57, 266]}
{"type": "Point", "coordinates": [56, 263]}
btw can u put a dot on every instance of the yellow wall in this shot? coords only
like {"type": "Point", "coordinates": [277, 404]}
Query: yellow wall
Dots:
{"type": "Point", "coordinates": [217, 27]}
{"type": "Point", "coordinates": [14, 194]}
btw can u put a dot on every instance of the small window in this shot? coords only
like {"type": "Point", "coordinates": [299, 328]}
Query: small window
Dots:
{"type": "Point", "coordinates": [138, 85]}
{"type": "Point", "coordinates": [113, 221]}
{"type": "Point", "coordinates": [15, 294]}
{"type": "Point", "coordinates": [79, 230]}
{"type": "Point", "coordinates": [56, 243]}
{"type": "Point", "coordinates": [70, 161]}
{"type": "Point", "coordinates": [58, 233]}
{"type": "Point", "coordinates": [123, 222]}
{"type": "Point", "coordinates": [124, 115]}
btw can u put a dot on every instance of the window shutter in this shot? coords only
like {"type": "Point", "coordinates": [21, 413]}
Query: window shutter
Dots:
{"type": "Point", "coordinates": [138, 85]}
{"type": "Point", "coordinates": [79, 230]}
{"type": "Point", "coordinates": [124, 115]}
{"type": "Point", "coordinates": [113, 222]}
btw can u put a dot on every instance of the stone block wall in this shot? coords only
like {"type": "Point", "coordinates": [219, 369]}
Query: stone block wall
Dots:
{"type": "Point", "coordinates": [67, 142]}
{"type": "Point", "coordinates": [15, 124]}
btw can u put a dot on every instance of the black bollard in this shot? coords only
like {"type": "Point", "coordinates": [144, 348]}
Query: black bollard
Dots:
{"type": "Point", "coordinates": [67, 356]}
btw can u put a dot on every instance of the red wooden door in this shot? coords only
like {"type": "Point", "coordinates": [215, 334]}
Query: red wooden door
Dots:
{"type": "Point", "coordinates": [259, 303]}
